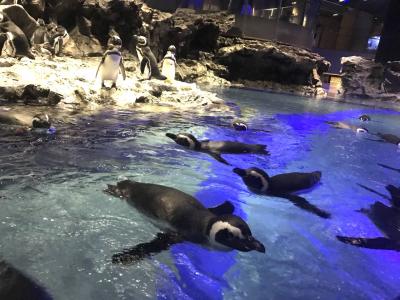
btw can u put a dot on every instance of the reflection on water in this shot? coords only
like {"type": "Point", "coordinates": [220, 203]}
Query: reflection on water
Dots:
{"type": "Point", "coordinates": [58, 226]}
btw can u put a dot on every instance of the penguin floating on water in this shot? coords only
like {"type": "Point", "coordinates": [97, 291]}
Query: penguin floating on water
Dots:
{"type": "Point", "coordinates": [386, 218]}
{"type": "Point", "coordinates": [147, 60]}
{"type": "Point", "coordinates": [364, 118]}
{"type": "Point", "coordinates": [239, 125]}
{"type": "Point", "coordinates": [283, 186]}
{"type": "Point", "coordinates": [182, 217]}
{"type": "Point", "coordinates": [168, 64]}
{"type": "Point", "coordinates": [216, 148]}
{"type": "Point", "coordinates": [40, 123]}
{"type": "Point", "coordinates": [387, 138]}
{"type": "Point", "coordinates": [111, 64]}
{"type": "Point", "coordinates": [342, 125]}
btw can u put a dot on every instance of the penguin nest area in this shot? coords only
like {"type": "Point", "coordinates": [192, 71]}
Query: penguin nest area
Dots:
{"type": "Point", "coordinates": [71, 84]}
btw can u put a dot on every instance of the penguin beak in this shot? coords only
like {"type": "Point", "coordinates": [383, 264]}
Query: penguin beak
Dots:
{"type": "Point", "coordinates": [253, 244]}
{"type": "Point", "coordinates": [171, 135]}
{"type": "Point", "coordinates": [240, 172]}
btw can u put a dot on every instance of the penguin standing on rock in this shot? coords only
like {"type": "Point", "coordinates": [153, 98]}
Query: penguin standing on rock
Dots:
{"type": "Point", "coordinates": [216, 148]}
{"type": "Point", "coordinates": [16, 44]}
{"type": "Point", "coordinates": [110, 66]}
{"type": "Point", "coordinates": [169, 64]}
{"type": "Point", "coordinates": [182, 217]}
{"type": "Point", "coordinates": [147, 60]}
{"type": "Point", "coordinates": [283, 186]}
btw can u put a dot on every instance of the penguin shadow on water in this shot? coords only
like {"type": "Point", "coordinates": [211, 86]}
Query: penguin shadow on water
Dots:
{"type": "Point", "coordinates": [216, 148]}
{"type": "Point", "coordinates": [283, 186]}
{"type": "Point", "coordinates": [181, 218]}
{"type": "Point", "coordinates": [386, 219]}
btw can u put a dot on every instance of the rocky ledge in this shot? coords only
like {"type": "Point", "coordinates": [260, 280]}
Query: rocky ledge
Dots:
{"type": "Point", "coordinates": [70, 84]}
{"type": "Point", "coordinates": [367, 82]}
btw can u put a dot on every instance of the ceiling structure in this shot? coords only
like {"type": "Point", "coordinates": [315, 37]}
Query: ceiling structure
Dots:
{"type": "Point", "coordinates": [375, 7]}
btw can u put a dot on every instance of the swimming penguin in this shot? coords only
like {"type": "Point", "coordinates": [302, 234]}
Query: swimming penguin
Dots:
{"type": "Point", "coordinates": [16, 45]}
{"type": "Point", "coordinates": [342, 125]}
{"type": "Point", "coordinates": [283, 185]}
{"type": "Point", "coordinates": [389, 138]}
{"type": "Point", "coordinates": [182, 217]}
{"type": "Point", "coordinates": [110, 66]}
{"type": "Point", "coordinates": [169, 64]}
{"type": "Point", "coordinates": [15, 285]}
{"type": "Point", "coordinates": [242, 126]}
{"type": "Point", "coordinates": [147, 60]}
{"type": "Point", "coordinates": [364, 118]}
{"type": "Point", "coordinates": [387, 220]}
{"type": "Point", "coordinates": [216, 148]}
{"type": "Point", "coordinates": [39, 123]}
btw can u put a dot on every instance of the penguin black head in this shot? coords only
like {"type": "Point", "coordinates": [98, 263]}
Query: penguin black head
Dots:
{"type": "Point", "coordinates": [362, 130]}
{"type": "Point", "coordinates": [140, 40]}
{"type": "Point", "coordinates": [364, 118]}
{"type": "Point", "coordinates": [172, 49]}
{"type": "Point", "coordinates": [41, 121]}
{"type": "Point", "coordinates": [41, 22]}
{"type": "Point", "coordinates": [239, 125]}
{"type": "Point", "coordinates": [228, 232]}
{"type": "Point", "coordinates": [185, 139]}
{"type": "Point", "coordinates": [114, 41]}
{"type": "Point", "coordinates": [255, 179]}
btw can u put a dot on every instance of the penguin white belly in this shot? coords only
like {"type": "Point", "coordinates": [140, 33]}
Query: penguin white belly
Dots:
{"type": "Point", "coordinates": [168, 69]}
{"type": "Point", "coordinates": [110, 68]}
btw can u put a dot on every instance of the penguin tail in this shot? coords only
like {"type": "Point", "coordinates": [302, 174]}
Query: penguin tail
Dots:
{"type": "Point", "coordinates": [316, 176]}
{"type": "Point", "coordinates": [261, 149]}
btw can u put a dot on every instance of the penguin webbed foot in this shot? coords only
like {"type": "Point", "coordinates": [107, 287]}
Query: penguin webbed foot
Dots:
{"type": "Point", "coordinates": [379, 243]}
{"type": "Point", "coordinates": [132, 255]}
{"type": "Point", "coordinates": [225, 208]}
{"type": "Point", "coordinates": [219, 158]}
{"type": "Point", "coordinates": [304, 204]}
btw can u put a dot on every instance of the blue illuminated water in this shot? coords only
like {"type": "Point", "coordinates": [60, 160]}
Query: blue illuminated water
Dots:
{"type": "Point", "coordinates": [58, 226]}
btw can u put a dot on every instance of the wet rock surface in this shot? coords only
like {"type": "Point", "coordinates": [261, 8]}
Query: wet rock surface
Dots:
{"type": "Point", "coordinates": [366, 79]}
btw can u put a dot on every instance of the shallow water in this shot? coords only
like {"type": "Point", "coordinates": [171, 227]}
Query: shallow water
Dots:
{"type": "Point", "coordinates": [58, 226]}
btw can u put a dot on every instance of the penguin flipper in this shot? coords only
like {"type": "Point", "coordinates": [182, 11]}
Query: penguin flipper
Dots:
{"type": "Point", "coordinates": [373, 191]}
{"type": "Point", "coordinates": [98, 68]}
{"type": "Point", "coordinates": [145, 62]}
{"type": "Point", "coordinates": [395, 194]}
{"type": "Point", "coordinates": [304, 204]}
{"type": "Point", "coordinates": [122, 67]}
{"type": "Point", "coordinates": [380, 243]}
{"type": "Point", "coordinates": [218, 157]}
{"type": "Point", "coordinates": [225, 208]}
{"type": "Point", "coordinates": [389, 167]}
{"type": "Point", "coordinates": [162, 242]}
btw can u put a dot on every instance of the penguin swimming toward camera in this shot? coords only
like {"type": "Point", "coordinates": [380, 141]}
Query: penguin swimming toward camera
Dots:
{"type": "Point", "coordinates": [216, 148]}
{"type": "Point", "coordinates": [283, 186]}
{"type": "Point", "coordinates": [147, 60]}
{"type": "Point", "coordinates": [16, 44]}
{"type": "Point", "coordinates": [182, 217]}
{"type": "Point", "coordinates": [111, 64]}
{"type": "Point", "coordinates": [364, 118]}
{"type": "Point", "coordinates": [342, 125]}
{"type": "Point", "coordinates": [168, 64]}
{"type": "Point", "coordinates": [386, 219]}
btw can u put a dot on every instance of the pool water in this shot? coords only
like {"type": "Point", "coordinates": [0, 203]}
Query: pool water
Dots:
{"type": "Point", "coordinates": [58, 226]}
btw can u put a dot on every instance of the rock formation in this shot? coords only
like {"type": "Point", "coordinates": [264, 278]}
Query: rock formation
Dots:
{"type": "Point", "coordinates": [366, 79]}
